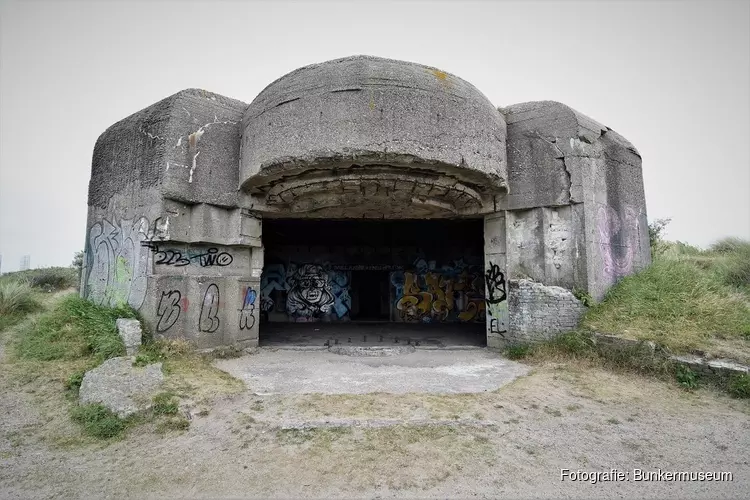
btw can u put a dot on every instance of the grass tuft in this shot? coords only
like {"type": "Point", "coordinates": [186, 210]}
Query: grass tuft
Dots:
{"type": "Point", "coordinates": [518, 351]}
{"type": "Point", "coordinates": [75, 328]}
{"type": "Point", "coordinates": [73, 384]}
{"type": "Point", "coordinates": [98, 421]}
{"type": "Point", "coordinates": [17, 298]}
{"type": "Point", "coordinates": [731, 245]}
{"type": "Point", "coordinates": [739, 386]}
{"type": "Point", "coordinates": [165, 403]}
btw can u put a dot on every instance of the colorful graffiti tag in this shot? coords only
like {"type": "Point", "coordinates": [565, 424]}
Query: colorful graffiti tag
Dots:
{"type": "Point", "coordinates": [247, 313]}
{"type": "Point", "coordinates": [429, 294]}
{"type": "Point", "coordinates": [313, 291]}
{"type": "Point", "coordinates": [116, 267]}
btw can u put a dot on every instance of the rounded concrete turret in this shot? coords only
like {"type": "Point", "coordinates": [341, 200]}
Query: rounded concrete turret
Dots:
{"type": "Point", "coordinates": [395, 125]}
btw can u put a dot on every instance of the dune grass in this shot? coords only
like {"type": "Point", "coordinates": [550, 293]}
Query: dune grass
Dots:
{"type": "Point", "coordinates": [17, 299]}
{"type": "Point", "coordinates": [47, 279]}
{"type": "Point", "coordinates": [74, 328]}
{"type": "Point", "coordinates": [688, 299]}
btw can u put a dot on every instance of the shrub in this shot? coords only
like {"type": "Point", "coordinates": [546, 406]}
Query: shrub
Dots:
{"type": "Point", "coordinates": [656, 231]}
{"type": "Point", "coordinates": [686, 377]}
{"type": "Point", "coordinates": [16, 297]}
{"type": "Point", "coordinates": [98, 421]}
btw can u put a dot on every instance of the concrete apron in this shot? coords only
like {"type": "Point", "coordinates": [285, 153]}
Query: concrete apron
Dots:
{"type": "Point", "coordinates": [415, 370]}
{"type": "Point", "coordinates": [375, 335]}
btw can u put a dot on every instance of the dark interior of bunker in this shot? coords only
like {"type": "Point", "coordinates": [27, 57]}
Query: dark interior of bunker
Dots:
{"type": "Point", "coordinates": [373, 282]}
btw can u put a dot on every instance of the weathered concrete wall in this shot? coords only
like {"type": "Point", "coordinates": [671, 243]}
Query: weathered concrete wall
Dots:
{"type": "Point", "coordinates": [616, 223]}
{"type": "Point", "coordinates": [577, 215]}
{"type": "Point", "coordinates": [496, 291]}
{"type": "Point", "coordinates": [165, 233]}
{"type": "Point", "coordinates": [546, 244]}
{"type": "Point", "coordinates": [539, 312]}
{"type": "Point", "coordinates": [365, 132]}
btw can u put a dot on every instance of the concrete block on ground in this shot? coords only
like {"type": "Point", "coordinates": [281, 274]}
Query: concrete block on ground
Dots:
{"type": "Point", "coordinates": [123, 388]}
{"type": "Point", "coordinates": [131, 334]}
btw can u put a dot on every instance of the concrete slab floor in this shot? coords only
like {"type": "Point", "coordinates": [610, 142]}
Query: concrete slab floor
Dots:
{"type": "Point", "coordinates": [372, 333]}
{"type": "Point", "coordinates": [443, 371]}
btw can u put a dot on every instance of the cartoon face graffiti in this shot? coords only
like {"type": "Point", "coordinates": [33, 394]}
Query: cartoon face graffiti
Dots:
{"type": "Point", "coordinates": [309, 292]}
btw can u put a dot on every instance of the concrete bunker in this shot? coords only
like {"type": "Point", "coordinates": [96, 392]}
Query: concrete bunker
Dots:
{"type": "Point", "coordinates": [360, 190]}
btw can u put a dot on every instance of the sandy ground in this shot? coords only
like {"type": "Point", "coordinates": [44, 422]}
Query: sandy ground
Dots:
{"type": "Point", "coordinates": [510, 442]}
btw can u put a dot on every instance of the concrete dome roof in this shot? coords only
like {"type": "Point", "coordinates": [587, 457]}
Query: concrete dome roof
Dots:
{"type": "Point", "coordinates": [363, 111]}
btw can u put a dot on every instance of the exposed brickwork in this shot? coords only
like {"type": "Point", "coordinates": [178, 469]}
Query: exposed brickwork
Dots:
{"type": "Point", "coordinates": [539, 312]}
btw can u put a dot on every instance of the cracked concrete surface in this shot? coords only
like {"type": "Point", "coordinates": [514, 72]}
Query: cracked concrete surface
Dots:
{"type": "Point", "coordinates": [273, 371]}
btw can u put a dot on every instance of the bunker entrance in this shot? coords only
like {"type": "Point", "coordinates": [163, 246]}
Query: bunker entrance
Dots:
{"type": "Point", "coordinates": [369, 282]}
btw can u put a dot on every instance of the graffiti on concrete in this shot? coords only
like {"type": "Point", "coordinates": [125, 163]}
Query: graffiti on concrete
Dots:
{"type": "Point", "coordinates": [618, 239]}
{"type": "Point", "coordinates": [209, 315]}
{"type": "Point", "coordinates": [170, 257]}
{"type": "Point", "coordinates": [342, 304]}
{"type": "Point", "coordinates": [497, 303]}
{"type": "Point", "coordinates": [495, 280]}
{"type": "Point", "coordinates": [247, 313]}
{"type": "Point", "coordinates": [428, 294]}
{"type": "Point", "coordinates": [310, 294]}
{"type": "Point", "coordinates": [312, 291]}
{"type": "Point", "coordinates": [168, 310]}
{"type": "Point", "coordinates": [273, 279]}
{"type": "Point", "coordinates": [116, 267]}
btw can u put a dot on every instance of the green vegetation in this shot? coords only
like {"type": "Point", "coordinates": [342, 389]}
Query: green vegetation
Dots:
{"type": "Point", "coordinates": [676, 303]}
{"type": "Point", "coordinates": [73, 384]}
{"type": "Point", "coordinates": [17, 299]}
{"type": "Point", "coordinates": [75, 328]}
{"type": "Point", "coordinates": [98, 421]}
{"type": "Point", "coordinates": [518, 351]}
{"type": "Point", "coordinates": [47, 279]}
{"type": "Point", "coordinates": [656, 231]}
{"type": "Point", "coordinates": [733, 264]}
{"type": "Point", "coordinates": [585, 298]}
{"type": "Point", "coordinates": [688, 299]}
{"type": "Point", "coordinates": [56, 337]}
{"type": "Point", "coordinates": [686, 377]}
{"type": "Point", "coordinates": [739, 386]}
{"type": "Point", "coordinates": [22, 293]}
{"type": "Point", "coordinates": [165, 403]}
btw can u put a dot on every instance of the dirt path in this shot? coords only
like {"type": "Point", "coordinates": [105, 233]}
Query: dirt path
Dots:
{"type": "Point", "coordinates": [511, 442]}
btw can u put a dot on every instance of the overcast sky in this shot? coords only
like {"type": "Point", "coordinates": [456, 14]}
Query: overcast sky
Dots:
{"type": "Point", "coordinates": [672, 77]}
